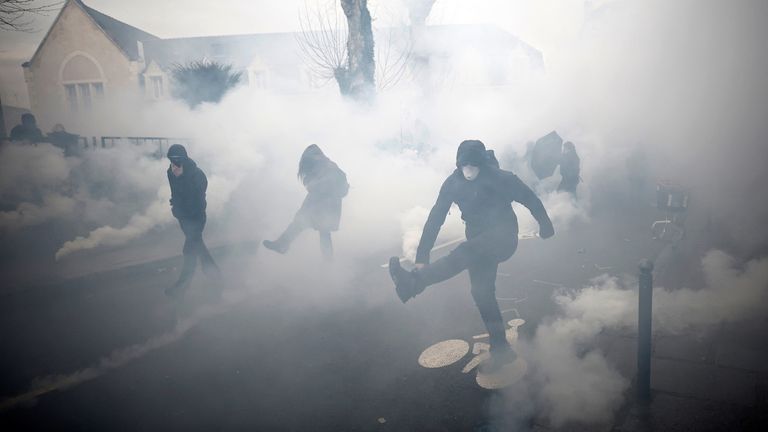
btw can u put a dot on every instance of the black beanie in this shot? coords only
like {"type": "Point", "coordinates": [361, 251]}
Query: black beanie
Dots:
{"type": "Point", "coordinates": [177, 151]}
{"type": "Point", "coordinates": [471, 152]}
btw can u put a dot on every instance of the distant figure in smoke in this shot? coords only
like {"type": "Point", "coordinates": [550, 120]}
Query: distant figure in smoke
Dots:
{"type": "Point", "coordinates": [484, 194]}
{"type": "Point", "coordinates": [66, 141]}
{"type": "Point", "coordinates": [326, 185]}
{"type": "Point", "coordinates": [569, 169]}
{"type": "Point", "coordinates": [188, 186]}
{"type": "Point", "coordinates": [27, 131]}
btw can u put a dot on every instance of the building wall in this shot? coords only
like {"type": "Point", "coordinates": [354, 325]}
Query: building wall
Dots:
{"type": "Point", "coordinates": [94, 58]}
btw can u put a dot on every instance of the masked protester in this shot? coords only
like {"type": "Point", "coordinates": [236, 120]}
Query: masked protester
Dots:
{"type": "Point", "coordinates": [188, 186]}
{"type": "Point", "coordinates": [326, 185]}
{"type": "Point", "coordinates": [484, 194]}
{"type": "Point", "coordinates": [569, 169]}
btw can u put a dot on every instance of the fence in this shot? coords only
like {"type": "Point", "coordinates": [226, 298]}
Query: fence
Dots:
{"type": "Point", "coordinates": [161, 143]}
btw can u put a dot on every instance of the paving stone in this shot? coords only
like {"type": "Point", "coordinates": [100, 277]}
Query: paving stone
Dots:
{"type": "Point", "coordinates": [704, 381]}
{"type": "Point", "coordinates": [739, 357]}
{"type": "Point", "coordinates": [674, 413]}
{"type": "Point", "coordinates": [685, 347]}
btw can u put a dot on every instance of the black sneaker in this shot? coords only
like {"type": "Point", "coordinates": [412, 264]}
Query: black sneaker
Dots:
{"type": "Point", "coordinates": [498, 359]}
{"type": "Point", "coordinates": [275, 246]}
{"type": "Point", "coordinates": [405, 281]}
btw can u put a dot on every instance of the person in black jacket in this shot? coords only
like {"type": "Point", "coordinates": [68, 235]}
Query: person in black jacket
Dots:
{"type": "Point", "coordinates": [188, 186]}
{"type": "Point", "coordinates": [570, 169]}
{"type": "Point", "coordinates": [484, 194]}
{"type": "Point", "coordinates": [326, 185]}
{"type": "Point", "coordinates": [27, 131]}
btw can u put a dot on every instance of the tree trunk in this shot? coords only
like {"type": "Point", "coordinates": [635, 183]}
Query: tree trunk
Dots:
{"type": "Point", "coordinates": [418, 11]}
{"type": "Point", "coordinates": [357, 78]}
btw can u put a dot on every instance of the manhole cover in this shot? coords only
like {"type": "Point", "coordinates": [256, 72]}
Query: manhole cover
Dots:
{"type": "Point", "coordinates": [508, 374]}
{"type": "Point", "coordinates": [444, 353]}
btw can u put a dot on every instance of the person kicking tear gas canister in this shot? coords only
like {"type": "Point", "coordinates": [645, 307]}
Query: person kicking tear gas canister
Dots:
{"type": "Point", "coordinates": [326, 185]}
{"type": "Point", "coordinates": [484, 194]}
{"type": "Point", "coordinates": [188, 186]}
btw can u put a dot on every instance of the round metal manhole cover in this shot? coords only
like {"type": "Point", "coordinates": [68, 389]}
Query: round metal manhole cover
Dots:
{"type": "Point", "coordinates": [444, 353]}
{"type": "Point", "coordinates": [508, 374]}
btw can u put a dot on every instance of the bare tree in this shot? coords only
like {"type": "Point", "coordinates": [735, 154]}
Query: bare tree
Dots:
{"type": "Point", "coordinates": [322, 40]}
{"type": "Point", "coordinates": [418, 11]}
{"type": "Point", "coordinates": [14, 14]}
{"type": "Point", "coordinates": [324, 43]}
{"type": "Point", "coordinates": [392, 58]}
{"type": "Point", "coordinates": [357, 78]}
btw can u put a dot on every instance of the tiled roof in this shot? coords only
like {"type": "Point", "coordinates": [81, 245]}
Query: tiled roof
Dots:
{"type": "Point", "coordinates": [124, 35]}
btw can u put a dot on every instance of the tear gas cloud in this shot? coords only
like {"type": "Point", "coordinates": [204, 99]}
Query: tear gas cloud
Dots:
{"type": "Point", "coordinates": [572, 381]}
{"type": "Point", "coordinates": [630, 78]}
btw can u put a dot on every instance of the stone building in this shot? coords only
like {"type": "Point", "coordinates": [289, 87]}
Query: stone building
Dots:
{"type": "Point", "coordinates": [89, 63]}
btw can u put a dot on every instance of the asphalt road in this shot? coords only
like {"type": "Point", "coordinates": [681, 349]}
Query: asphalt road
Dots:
{"type": "Point", "coordinates": [313, 350]}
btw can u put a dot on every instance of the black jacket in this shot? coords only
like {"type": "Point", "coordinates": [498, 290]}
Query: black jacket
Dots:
{"type": "Point", "coordinates": [485, 203]}
{"type": "Point", "coordinates": [569, 166]}
{"type": "Point", "coordinates": [326, 187]}
{"type": "Point", "coordinates": [26, 133]}
{"type": "Point", "coordinates": [188, 192]}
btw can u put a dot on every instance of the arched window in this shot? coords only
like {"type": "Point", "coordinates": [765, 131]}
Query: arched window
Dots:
{"type": "Point", "coordinates": [83, 81]}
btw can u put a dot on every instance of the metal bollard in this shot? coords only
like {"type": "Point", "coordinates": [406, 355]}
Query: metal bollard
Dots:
{"type": "Point", "coordinates": [645, 304]}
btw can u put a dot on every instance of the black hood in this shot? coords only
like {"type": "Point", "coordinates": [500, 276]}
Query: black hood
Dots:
{"type": "Point", "coordinates": [177, 151]}
{"type": "Point", "coordinates": [471, 152]}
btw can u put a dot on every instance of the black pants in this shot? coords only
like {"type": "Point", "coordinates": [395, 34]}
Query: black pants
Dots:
{"type": "Point", "coordinates": [568, 184]}
{"type": "Point", "coordinates": [194, 249]}
{"type": "Point", "coordinates": [480, 255]}
{"type": "Point", "coordinates": [300, 223]}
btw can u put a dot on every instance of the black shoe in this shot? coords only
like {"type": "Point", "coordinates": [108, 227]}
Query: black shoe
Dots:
{"type": "Point", "coordinates": [405, 282]}
{"type": "Point", "coordinates": [177, 289]}
{"type": "Point", "coordinates": [275, 246]}
{"type": "Point", "coordinates": [499, 358]}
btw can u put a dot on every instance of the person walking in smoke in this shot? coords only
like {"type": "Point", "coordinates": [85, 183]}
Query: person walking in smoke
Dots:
{"type": "Point", "coordinates": [326, 185]}
{"type": "Point", "coordinates": [188, 187]}
{"type": "Point", "coordinates": [569, 169]}
{"type": "Point", "coordinates": [484, 194]}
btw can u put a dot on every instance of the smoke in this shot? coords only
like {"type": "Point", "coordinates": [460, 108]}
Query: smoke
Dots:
{"type": "Point", "coordinates": [574, 380]}
{"type": "Point", "coordinates": [694, 100]}
{"type": "Point", "coordinates": [733, 292]}
{"type": "Point", "coordinates": [29, 214]}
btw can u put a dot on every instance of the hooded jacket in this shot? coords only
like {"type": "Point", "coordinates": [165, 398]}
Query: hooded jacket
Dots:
{"type": "Point", "coordinates": [326, 185]}
{"type": "Point", "coordinates": [188, 191]}
{"type": "Point", "coordinates": [485, 202]}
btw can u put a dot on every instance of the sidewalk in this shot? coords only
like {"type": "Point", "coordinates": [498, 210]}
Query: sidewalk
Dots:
{"type": "Point", "coordinates": [713, 382]}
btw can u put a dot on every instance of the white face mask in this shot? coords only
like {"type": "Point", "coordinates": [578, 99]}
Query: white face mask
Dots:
{"type": "Point", "coordinates": [470, 172]}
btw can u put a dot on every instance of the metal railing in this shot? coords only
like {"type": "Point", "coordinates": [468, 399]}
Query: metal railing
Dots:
{"type": "Point", "coordinates": [161, 143]}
